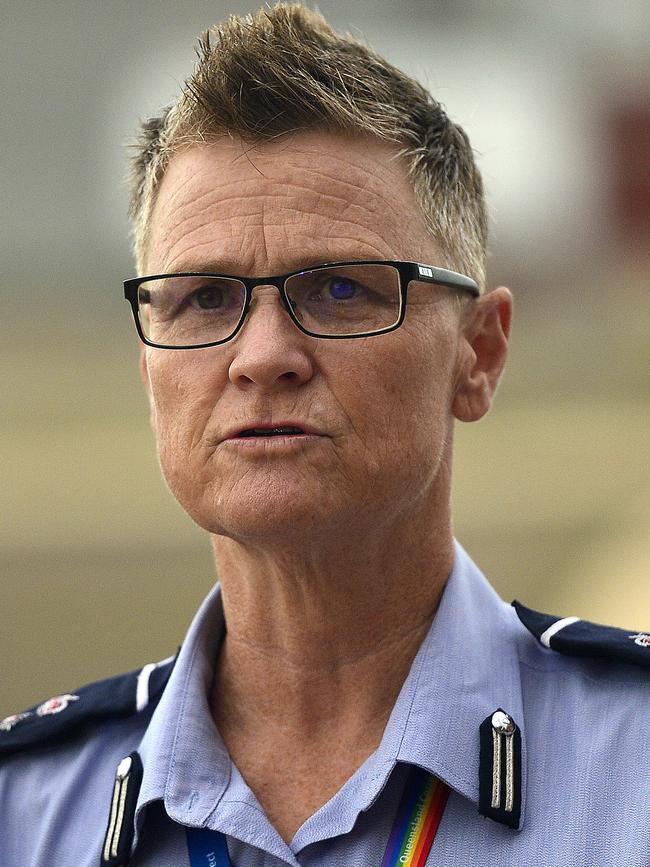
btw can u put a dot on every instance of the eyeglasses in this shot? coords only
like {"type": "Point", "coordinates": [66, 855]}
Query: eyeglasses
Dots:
{"type": "Point", "coordinates": [194, 310]}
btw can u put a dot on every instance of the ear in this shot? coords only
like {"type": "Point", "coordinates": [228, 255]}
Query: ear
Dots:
{"type": "Point", "coordinates": [484, 347]}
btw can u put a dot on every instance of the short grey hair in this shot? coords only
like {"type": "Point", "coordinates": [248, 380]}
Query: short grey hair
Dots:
{"type": "Point", "coordinates": [284, 69]}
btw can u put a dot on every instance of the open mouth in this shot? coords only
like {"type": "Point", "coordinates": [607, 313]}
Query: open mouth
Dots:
{"type": "Point", "coordinates": [271, 432]}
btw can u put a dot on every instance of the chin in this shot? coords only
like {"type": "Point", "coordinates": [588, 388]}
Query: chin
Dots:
{"type": "Point", "coordinates": [278, 516]}
{"type": "Point", "coordinates": [286, 504]}
{"type": "Point", "coordinates": [254, 511]}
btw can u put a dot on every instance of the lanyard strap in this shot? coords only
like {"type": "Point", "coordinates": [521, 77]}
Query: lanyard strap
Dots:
{"type": "Point", "coordinates": [416, 821]}
{"type": "Point", "coordinates": [207, 848]}
{"type": "Point", "coordinates": [409, 843]}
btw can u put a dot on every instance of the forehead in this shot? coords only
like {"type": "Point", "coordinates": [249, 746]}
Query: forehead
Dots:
{"type": "Point", "coordinates": [275, 206]}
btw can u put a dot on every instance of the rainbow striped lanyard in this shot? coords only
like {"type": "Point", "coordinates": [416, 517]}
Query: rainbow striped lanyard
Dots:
{"type": "Point", "coordinates": [409, 843]}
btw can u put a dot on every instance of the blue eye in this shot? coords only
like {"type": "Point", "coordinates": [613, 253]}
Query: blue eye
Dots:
{"type": "Point", "coordinates": [342, 289]}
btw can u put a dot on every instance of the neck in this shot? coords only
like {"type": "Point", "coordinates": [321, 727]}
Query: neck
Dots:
{"type": "Point", "coordinates": [325, 638]}
{"type": "Point", "coordinates": [319, 640]}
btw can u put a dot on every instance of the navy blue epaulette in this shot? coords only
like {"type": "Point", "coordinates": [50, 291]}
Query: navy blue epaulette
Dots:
{"type": "Point", "coordinates": [577, 637]}
{"type": "Point", "coordinates": [63, 715]}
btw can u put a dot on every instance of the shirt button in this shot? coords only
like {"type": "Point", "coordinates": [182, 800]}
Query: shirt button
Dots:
{"type": "Point", "coordinates": [502, 723]}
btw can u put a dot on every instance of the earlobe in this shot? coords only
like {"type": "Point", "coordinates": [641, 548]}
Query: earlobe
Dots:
{"type": "Point", "coordinates": [485, 349]}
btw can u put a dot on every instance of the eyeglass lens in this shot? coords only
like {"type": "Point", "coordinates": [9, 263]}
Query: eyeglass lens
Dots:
{"type": "Point", "coordinates": [344, 300]}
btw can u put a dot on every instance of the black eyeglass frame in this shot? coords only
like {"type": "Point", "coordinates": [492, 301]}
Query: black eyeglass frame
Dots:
{"type": "Point", "coordinates": [408, 271]}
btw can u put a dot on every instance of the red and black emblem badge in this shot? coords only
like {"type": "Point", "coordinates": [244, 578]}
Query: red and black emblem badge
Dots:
{"type": "Point", "coordinates": [55, 704]}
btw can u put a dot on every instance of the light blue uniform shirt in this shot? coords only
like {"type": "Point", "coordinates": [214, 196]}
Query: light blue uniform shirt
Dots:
{"type": "Point", "coordinates": [585, 735]}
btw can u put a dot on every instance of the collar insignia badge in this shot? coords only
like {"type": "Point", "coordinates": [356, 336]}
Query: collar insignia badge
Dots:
{"type": "Point", "coordinates": [500, 786]}
{"type": "Point", "coordinates": [121, 824]}
{"type": "Point", "coordinates": [56, 704]}
{"type": "Point", "coordinates": [641, 638]}
{"type": "Point", "coordinates": [9, 722]}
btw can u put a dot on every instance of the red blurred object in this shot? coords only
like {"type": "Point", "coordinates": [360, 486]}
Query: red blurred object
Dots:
{"type": "Point", "coordinates": [629, 128]}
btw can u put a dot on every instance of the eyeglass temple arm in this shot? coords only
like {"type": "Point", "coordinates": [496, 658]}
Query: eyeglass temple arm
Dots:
{"type": "Point", "coordinates": [444, 277]}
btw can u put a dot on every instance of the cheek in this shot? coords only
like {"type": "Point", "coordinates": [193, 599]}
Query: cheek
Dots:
{"type": "Point", "coordinates": [184, 392]}
{"type": "Point", "coordinates": [417, 374]}
{"type": "Point", "coordinates": [405, 410]}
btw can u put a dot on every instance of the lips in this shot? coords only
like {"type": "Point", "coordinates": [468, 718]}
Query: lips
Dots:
{"type": "Point", "coordinates": [262, 429]}
{"type": "Point", "coordinates": [271, 432]}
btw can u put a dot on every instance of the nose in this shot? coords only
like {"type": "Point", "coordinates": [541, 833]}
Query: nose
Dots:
{"type": "Point", "coordinates": [270, 351]}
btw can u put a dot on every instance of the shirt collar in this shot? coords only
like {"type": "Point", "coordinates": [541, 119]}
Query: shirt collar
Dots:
{"type": "Point", "coordinates": [186, 763]}
{"type": "Point", "coordinates": [466, 668]}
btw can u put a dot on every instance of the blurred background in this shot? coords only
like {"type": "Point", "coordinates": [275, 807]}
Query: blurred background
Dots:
{"type": "Point", "coordinates": [101, 569]}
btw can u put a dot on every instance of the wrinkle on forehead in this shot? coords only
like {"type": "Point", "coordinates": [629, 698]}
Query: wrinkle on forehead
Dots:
{"type": "Point", "coordinates": [314, 196]}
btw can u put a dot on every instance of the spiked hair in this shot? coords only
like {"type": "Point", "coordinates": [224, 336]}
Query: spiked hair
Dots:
{"type": "Point", "coordinates": [284, 69]}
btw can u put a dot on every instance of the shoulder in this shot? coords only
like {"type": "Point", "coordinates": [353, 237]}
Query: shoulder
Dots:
{"type": "Point", "coordinates": [574, 637]}
{"type": "Point", "coordinates": [63, 716]}
{"type": "Point", "coordinates": [58, 761]}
